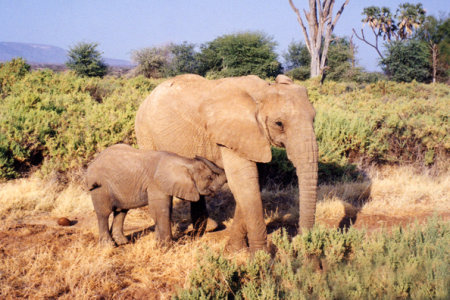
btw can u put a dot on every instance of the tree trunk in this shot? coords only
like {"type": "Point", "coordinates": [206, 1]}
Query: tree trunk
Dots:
{"type": "Point", "coordinates": [434, 50]}
{"type": "Point", "coordinates": [315, 65]}
{"type": "Point", "coordinates": [321, 26]}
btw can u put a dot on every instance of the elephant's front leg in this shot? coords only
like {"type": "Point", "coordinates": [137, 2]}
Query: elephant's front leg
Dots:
{"type": "Point", "coordinates": [242, 176]}
{"type": "Point", "coordinates": [199, 216]}
{"type": "Point", "coordinates": [161, 208]}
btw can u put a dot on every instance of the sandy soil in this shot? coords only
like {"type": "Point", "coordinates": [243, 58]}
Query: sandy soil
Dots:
{"type": "Point", "coordinates": [40, 230]}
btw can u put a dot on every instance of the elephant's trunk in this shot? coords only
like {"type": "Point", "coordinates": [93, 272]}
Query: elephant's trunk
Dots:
{"type": "Point", "coordinates": [302, 151]}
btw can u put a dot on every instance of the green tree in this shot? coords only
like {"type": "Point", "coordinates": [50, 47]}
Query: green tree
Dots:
{"type": "Point", "coordinates": [297, 55]}
{"type": "Point", "coordinates": [153, 62]}
{"type": "Point", "coordinates": [86, 60]}
{"type": "Point", "coordinates": [444, 50]}
{"type": "Point", "coordinates": [297, 61]}
{"type": "Point", "coordinates": [240, 54]}
{"type": "Point", "coordinates": [184, 59]}
{"type": "Point", "coordinates": [434, 32]}
{"type": "Point", "coordinates": [338, 63]}
{"type": "Point", "coordinates": [384, 25]}
{"type": "Point", "coordinates": [407, 61]}
{"type": "Point", "coordinates": [409, 17]}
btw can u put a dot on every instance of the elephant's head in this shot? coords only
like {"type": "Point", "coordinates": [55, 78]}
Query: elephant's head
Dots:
{"type": "Point", "coordinates": [188, 178]}
{"type": "Point", "coordinates": [208, 177]}
{"type": "Point", "coordinates": [254, 116]}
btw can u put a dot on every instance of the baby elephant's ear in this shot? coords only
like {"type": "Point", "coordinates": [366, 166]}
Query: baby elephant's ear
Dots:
{"type": "Point", "coordinates": [176, 180]}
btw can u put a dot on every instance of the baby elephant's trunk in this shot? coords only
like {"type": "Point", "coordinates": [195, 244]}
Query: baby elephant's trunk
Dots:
{"type": "Point", "coordinates": [221, 178]}
{"type": "Point", "coordinates": [211, 165]}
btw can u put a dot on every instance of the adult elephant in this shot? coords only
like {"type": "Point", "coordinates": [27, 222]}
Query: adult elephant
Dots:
{"type": "Point", "coordinates": [233, 122]}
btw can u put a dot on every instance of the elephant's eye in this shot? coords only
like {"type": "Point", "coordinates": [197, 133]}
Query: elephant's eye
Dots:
{"type": "Point", "coordinates": [279, 124]}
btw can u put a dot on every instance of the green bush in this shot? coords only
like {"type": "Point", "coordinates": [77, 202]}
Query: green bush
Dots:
{"type": "Point", "coordinates": [86, 60]}
{"type": "Point", "coordinates": [383, 122]}
{"type": "Point", "coordinates": [324, 263]}
{"type": "Point", "coordinates": [300, 73]}
{"type": "Point", "coordinates": [11, 72]}
{"type": "Point", "coordinates": [58, 121]}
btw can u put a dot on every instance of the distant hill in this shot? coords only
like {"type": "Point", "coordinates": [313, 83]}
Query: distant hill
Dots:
{"type": "Point", "coordinates": [44, 54]}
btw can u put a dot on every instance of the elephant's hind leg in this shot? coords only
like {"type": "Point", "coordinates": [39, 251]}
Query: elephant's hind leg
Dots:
{"type": "Point", "coordinates": [117, 227]}
{"type": "Point", "coordinates": [103, 229]}
{"type": "Point", "coordinates": [101, 202]}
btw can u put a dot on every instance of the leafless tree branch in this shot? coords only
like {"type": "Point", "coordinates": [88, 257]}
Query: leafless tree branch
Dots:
{"type": "Point", "coordinates": [363, 38]}
{"type": "Point", "coordinates": [300, 21]}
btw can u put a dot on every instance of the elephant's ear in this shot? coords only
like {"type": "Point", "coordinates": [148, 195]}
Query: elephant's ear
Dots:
{"type": "Point", "coordinates": [176, 180]}
{"type": "Point", "coordinates": [231, 121]}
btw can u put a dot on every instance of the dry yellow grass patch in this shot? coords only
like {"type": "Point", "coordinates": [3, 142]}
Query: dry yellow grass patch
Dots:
{"type": "Point", "coordinates": [406, 192]}
{"type": "Point", "coordinates": [28, 196]}
{"type": "Point", "coordinates": [40, 259]}
{"type": "Point", "coordinates": [69, 264]}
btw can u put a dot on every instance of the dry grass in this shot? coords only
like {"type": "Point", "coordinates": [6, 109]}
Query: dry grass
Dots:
{"type": "Point", "coordinates": [405, 192]}
{"type": "Point", "coordinates": [40, 259]}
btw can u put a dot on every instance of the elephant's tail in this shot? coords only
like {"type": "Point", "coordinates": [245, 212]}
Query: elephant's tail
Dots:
{"type": "Point", "coordinates": [94, 186]}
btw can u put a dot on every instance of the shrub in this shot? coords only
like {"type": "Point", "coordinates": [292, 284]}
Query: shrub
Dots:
{"type": "Point", "coordinates": [324, 263]}
{"type": "Point", "coordinates": [11, 72]}
{"type": "Point", "coordinates": [59, 121]}
{"type": "Point", "coordinates": [300, 73]}
{"type": "Point", "coordinates": [152, 62]}
{"type": "Point", "coordinates": [86, 60]}
{"type": "Point", "coordinates": [383, 122]}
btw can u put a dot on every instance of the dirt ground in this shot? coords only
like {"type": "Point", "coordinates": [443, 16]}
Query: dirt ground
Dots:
{"type": "Point", "coordinates": [41, 259]}
{"type": "Point", "coordinates": [40, 230]}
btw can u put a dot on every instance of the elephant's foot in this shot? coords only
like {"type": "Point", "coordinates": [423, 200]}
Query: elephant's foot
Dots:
{"type": "Point", "coordinates": [106, 241]}
{"type": "Point", "coordinates": [258, 246]}
{"type": "Point", "coordinates": [120, 239]}
{"type": "Point", "coordinates": [211, 225]}
{"type": "Point", "coordinates": [236, 245]}
{"type": "Point", "coordinates": [208, 226]}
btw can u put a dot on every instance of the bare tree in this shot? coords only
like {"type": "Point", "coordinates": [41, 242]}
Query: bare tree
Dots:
{"type": "Point", "coordinates": [321, 25]}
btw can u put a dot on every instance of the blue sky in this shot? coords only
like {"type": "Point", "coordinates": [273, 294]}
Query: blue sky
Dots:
{"type": "Point", "coordinates": [122, 26]}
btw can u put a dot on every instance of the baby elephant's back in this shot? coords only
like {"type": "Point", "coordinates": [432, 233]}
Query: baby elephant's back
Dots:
{"type": "Point", "coordinates": [120, 166]}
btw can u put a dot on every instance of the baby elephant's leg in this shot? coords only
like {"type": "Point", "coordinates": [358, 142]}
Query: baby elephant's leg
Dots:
{"type": "Point", "coordinates": [162, 212]}
{"type": "Point", "coordinates": [117, 227]}
{"type": "Point", "coordinates": [101, 201]}
{"type": "Point", "coordinates": [103, 230]}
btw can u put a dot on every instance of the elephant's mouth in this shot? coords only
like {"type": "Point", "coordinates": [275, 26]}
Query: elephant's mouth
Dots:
{"type": "Point", "coordinates": [277, 144]}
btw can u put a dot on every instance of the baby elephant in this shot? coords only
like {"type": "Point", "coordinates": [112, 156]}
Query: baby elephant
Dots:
{"type": "Point", "coordinates": [122, 177]}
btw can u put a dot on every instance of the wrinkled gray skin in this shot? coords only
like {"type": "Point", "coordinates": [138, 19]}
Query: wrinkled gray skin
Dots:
{"type": "Point", "coordinates": [122, 178]}
{"type": "Point", "coordinates": [233, 122]}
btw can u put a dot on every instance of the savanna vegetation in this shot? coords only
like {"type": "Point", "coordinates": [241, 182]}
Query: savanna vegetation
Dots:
{"type": "Point", "coordinates": [56, 122]}
{"type": "Point", "coordinates": [384, 157]}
